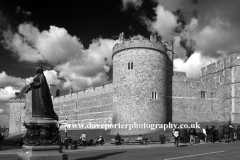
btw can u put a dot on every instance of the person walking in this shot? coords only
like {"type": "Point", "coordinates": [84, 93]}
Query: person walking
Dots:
{"type": "Point", "coordinates": [231, 130]}
{"type": "Point", "coordinates": [192, 134]}
{"type": "Point", "coordinates": [205, 134]}
{"type": "Point", "coordinates": [176, 134]}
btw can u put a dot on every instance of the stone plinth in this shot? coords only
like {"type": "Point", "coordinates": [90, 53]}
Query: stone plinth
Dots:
{"type": "Point", "coordinates": [42, 153]}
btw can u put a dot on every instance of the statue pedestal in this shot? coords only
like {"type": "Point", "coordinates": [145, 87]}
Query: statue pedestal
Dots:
{"type": "Point", "coordinates": [42, 153]}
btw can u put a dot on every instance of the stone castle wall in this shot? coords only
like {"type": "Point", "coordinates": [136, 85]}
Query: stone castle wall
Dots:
{"type": "Point", "coordinates": [133, 87]}
{"type": "Point", "coordinates": [93, 105]}
{"type": "Point", "coordinates": [16, 115]}
{"type": "Point", "coordinates": [226, 72]}
{"type": "Point", "coordinates": [189, 106]}
{"type": "Point", "coordinates": [128, 98]}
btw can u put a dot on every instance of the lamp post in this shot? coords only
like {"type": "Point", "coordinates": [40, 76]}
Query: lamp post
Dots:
{"type": "Point", "coordinates": [66, 139]}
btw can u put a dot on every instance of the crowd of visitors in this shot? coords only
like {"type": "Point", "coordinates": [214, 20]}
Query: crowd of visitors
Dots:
{"type": "Point", "coordinates": [225, 133]}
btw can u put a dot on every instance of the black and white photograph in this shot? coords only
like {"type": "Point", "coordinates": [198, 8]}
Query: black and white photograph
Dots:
{"type": "Point", "coordinates": [119, 79]}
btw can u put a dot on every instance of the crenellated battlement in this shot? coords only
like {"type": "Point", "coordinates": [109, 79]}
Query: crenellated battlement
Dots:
{"type": "Point", "coordinates": [230, 61]}
{"type": "Point", "coordinates": [139, 43]}
{"type": "Point", "coordinates": [85, 93]}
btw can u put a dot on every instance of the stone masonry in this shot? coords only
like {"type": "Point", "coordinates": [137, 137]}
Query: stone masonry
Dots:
{"type": "Point", "coordinates": [145, 89]}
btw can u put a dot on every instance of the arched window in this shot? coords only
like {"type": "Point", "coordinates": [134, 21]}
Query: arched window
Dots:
{"type": "Point", "coordinates": [130, 65]}
{"type": "Point", "coordinates": [203, 94]}
{"type": "Point", "coordinates": [154, 95]}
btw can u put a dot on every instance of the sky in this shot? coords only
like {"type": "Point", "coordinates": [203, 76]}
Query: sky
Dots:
{"type": "Point", "coordinates": [73, 39]}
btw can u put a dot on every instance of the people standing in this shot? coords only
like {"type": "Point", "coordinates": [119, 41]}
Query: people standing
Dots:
{"type": "Point", "coordinates": [208, 135]}
{"type": "Point", "coordinates": [231, 130]}
{"type": "Point", "coordinates": [238, 132]}
{"type": "Point", "coordinates": [226, 133]}
{"type": "Point", "coordinates": [192, 134]}
{"type": "Point", "coordinates": [211, 134]}
{"type": "Point", "coordinates": [185, 135]}
{"type": "Point", "coordinates": [176, 134]}
{"type": "Point", "coordinates": [220, 133]}
{"type": "Point", "coordinates": [162, 138]}
{"type": "Point", "coordinates": [205, 134]}
{"type": "Point", "coordinates": [181, 136]}
{"type": "Point", "coordinates": [1, 139]}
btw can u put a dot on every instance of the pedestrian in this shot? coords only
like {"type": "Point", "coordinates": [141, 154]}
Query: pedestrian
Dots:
{"type": "Point", "coordinates": [226, 133]}
{"type": "Point", "coordinates": [238, 132]}
{"type": "Point", "coordinates": [220, 133]}
{"type": "Point", "coordinates": [185, 135]}
{"type": "Point", "coordinates": [181, 136]}
{"type": "Point", "coordinates": [176, 134]}
{"type": "Point", "coordinates": [211, 130]}
{"type": "Point", "coordinates": [205, 134]}
{"type": "Point", "coordinates": [162, 138]}
{"type": "Point", "coordinates": [192, 134]}
{"type": "Point", "coordinates": [208, 135]}
{"type": "Point", "coordinates": [1, 139]}
{"type": "Point", "coordinates": [231, 130]}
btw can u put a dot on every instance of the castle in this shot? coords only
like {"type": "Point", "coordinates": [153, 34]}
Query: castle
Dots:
{"type": "Point", "coordinates": [145, 89]}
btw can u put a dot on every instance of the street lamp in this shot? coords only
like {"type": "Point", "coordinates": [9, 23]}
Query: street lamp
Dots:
{"type": "Point", "coordinates": [66, 139]}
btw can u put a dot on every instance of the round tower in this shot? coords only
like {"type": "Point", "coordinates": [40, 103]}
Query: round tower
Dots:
{"type": "Point", "coordinates": [139, 80]}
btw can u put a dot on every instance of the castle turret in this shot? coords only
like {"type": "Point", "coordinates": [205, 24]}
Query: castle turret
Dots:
{"type": "Point", "coordinates": [139, 79]}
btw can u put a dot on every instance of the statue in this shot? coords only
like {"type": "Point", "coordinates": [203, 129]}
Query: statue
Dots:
{"type": "Point", "coordinates": [42, 129]}
{"type": "Point", "coordinates": [42, 105]}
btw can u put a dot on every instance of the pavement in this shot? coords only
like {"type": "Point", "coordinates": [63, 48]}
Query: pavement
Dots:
{"type": "Point", "coordinates": [166, 151]}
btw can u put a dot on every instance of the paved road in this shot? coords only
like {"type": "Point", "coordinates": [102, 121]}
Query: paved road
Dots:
{"type": "Point", "coordinates": [214, 151]}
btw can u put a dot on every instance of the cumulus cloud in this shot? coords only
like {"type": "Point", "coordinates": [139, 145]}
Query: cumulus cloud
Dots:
{"type": "Point", "coordinates": [76, 66]}
{"type": "Point", "coordinates": [91, 68]}
{"type": "Point", "coordinates": [193, 65]}
{"type": "Point", "coordinates": [7, 80]}
{"type": "Point", "coordinates": [7, 92]}
{"type": "Point", "coordinates": [134, 3]}
{"type": "Point", "coordinates": [208, 27]}
{"type": "Point", "coordinates": [165, 23]}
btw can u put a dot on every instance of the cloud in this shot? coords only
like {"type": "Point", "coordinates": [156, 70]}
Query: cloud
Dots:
{"type": "Point", "coordinates": [6, 80]}
{"type": "Point", "coordinates": [134, 3]}
{"type": "Point", "coordinates": [91, 68]}
{"type": "Point", "coordinates": [7, 92]}
{"type": "Point", "coordinates": [193, 65]}
{"type": "Point", "coordinates": [165, 23]}
{"type": "Point", "coordinates": [3, 112]}
{"type": "Point", "coordinates": [76, 66]}
{"type": "Point", "coordinates": [53, 46]}
{"type": "Point", "coordinates": [19, 10]}
{"type": "Point", "coordinates": [208, 27]}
